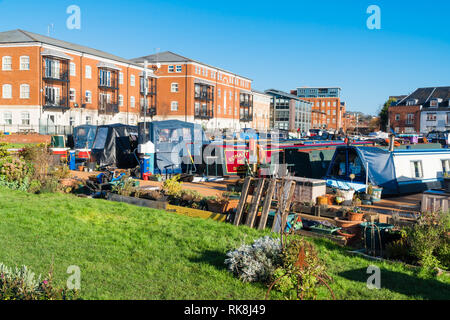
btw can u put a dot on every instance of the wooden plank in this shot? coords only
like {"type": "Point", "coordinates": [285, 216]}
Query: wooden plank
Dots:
{"type": "Point", "coordinates": [242, 201]}
{"type": "Point", "coordinates": [287, 204]}
{"type": "Point", "coordinates": [266, 206]}
{"type": "Point", "coordinates": [286, 197]}
{"type": "Point", "coordinates": [255, 203]}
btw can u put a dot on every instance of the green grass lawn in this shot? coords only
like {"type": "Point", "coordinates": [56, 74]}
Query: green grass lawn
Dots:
{"type": "Point", "coordinates": [128, 252]}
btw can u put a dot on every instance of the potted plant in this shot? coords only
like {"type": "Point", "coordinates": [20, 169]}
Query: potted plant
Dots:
{"type": "Point", "coordinates": [355, 214]}
{"type": "Point", "coordinates": [376, 193]}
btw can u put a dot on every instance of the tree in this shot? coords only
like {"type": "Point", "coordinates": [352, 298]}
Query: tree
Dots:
{"type": "Point", "coordinates": [384, 114]}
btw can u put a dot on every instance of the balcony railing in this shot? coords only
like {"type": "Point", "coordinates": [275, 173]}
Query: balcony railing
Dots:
{"type": "Point", "coordinates": [151, 111]}
{"type": "Point", "coordinates": [55, 102]}
{"type": "Point", "coordinates": [203, 114]}
{"type": "Point", "coordinates": [107, 107]}
{"type": "Point", "coordinates": [246, 118]}
{"type": "Point", "coordinates": [54, 76]}
{"type": "Point", "coordinates": [151, 90]}
{"type": "Point", "coordinates": [112, 84]}
{"type": "Point", "coordinates": [208, 96]}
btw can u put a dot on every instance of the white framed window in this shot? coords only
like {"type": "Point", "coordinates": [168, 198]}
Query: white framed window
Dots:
{"type": "Point", "coordinates": [72, 95]}
{"type": "Point", "coordinates": [170, 68]}
{"type": "Point", "coordinates": [88, 120]}
{"type": "Point", "coordinates": [218, 93]}
{"type": "Point", "coordinates": [120, 77]}
{"type": "Point", "coordinates": [7, 91]}
{"type": "Point", "coordinates": [174, 106]}
{"type": "Point", "coordinates": [25, 118]}
{"type": "Point", "coordinates": [24, 63]}
{"type": "Point", "coordinates": [132, 80]}
{"type": "Point", "coordinates": [73, 69]}
{"type": "Point", "coordinates": [218, 109]}
{"type": "Point", "coordinates": [88, 96]}
{"type": "Point", "coordinates": [7, 117]}
{"type": "Point", "coordinates": [120, 100]}
{"type": "Point", "coordinates": [24, 91]}
{"type": "Point", "coordinates": [416, 169]}
{"type": "Point", "coordinates": [6, 63]}
{"type": "Point", "coordinates": [88, 72]}
{"type": "Point", "coordinates": [179, 69]}
{"type": "Point", "coordinates": [174, 87]}
{"type": "Point", "coordinates": [132, 102]}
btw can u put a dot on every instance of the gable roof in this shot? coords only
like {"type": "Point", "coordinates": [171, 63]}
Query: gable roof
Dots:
{"type": "Point", "coordinates": [425, 95]}
{"type": "Point", "coordinates": [170, 57]}
{"type": "Point", "coordinates": [21, 36]}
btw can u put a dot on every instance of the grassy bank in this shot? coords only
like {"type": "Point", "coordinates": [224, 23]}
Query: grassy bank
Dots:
{"type": "Point", "coordinates": [127, 252]}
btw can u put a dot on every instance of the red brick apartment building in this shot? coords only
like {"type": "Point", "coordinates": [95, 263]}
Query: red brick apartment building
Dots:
{"type": "Point", "coordinates": [193, 91]}
{"type": "Point", "coordinates": [47, 83]}
{"type": "Point", "coordinates": [327, 110]}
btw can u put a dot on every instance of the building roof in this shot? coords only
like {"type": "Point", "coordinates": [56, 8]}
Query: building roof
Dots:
{"type": "Point", "coordinates": [22, 36]}
{"type": "Point", "coordinates": [306, 87]}
{"type": "Point", "coordinates": [284, 94]}
{"type": "Point", "coordinates": [425, 95]}
{"type": "Point", "coordinates": [170, 57]}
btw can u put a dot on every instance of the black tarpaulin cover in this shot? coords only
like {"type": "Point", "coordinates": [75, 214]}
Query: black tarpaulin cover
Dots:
{"type": "Point", "coordinates": [114, 145]}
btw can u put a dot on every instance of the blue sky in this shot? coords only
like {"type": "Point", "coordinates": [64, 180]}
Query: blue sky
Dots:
{"type": "Point", "coordinates": [278, 44]}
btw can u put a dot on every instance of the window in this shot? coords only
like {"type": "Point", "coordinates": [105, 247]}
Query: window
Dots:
{"type": "Point", "coordinates": [88, 72]}
{"type": "Point", "coordinates": [132, 102]}
{"type": "Point", "coordinates": [7, 91]}
{"type": "Point", "coordinates": [218, 109]}
{"type": "Point", "coordinates": [132, 80]}
{"type": "Point", "coordinates": [231, 95]}
{"type": "Point", "coordinates": [397, 117]}
{"type": "Point", "coordinates": [174, 87]}
{"type": "Point", "coordinates": [170, 68]}
{"type": "Point", "coordinates": [218, 93]}
{"type": "Point", "coordinates": [52, 69]}
{"type": "Point", "coordinates": [120, 77]}
{"type": "Point", "coordinates": [6, 63]}
{"type": "Point", "coordinates": [24, 63]}
{"type": "Point", "coordinates": [88, 96]}
{"type": "Point", "coordinates": [24, 91]}
{"type": "Point", "coordinates": [120, 100]}
{"type": "Point", "coordinates": [7, 118]}
{"type": "Point", "coordinates": [88, 119]}
{"type": "Point", "coordinates": [174, 106]}
{"type": "Point", "coordinates": [25, 118]}
{"type": "Point", "coordinates": [73, 72]}
{"type": "Point", "coordinates": [416, 169]}
{"type": "Point", "coordinates": [179, 69]}
{"type": "Point", "coordinates": [410, 118]}
{"type": "Point", "coordinates": [105, 78]}
{"type": "Point", "coordinates": [431, 116]}
{"type": "Point", "coordinates": [72, 95]}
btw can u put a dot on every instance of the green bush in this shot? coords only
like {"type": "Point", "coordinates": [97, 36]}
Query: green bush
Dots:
{"type": "Point", "coordinates": [22, 284]}
{"type": "Point", "coordinates": [429, 241]}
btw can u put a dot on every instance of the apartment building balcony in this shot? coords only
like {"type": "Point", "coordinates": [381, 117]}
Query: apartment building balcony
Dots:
{"type": "Point", "coordinates": [105, 107]}
{"type": "Point", "coordinates": [108, 85]}
{"type": "Point", "coordinates": [55, 70]}
{"type": "Point", "coordinates": [204, 114]}
{"type": "Point", "coordinates": [55, 103]}
{"type": "Point", "coordinates": [151, 90]}
{"type": "Point", "coordinates": [247, 118]}
{"type": "Point", "coordinates": [204, 96]}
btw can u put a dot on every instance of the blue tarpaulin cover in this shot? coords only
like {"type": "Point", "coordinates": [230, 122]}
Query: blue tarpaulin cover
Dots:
{"type": "Point", "coordinates": [381, 168]}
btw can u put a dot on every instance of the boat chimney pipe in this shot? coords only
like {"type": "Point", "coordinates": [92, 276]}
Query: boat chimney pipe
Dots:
{"type": "Point", "coordinates": [391, 143]}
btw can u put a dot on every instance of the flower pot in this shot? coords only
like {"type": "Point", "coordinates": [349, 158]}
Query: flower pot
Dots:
{"type": "Point", "coordinates": [346, 223]}
{"type": "Point", "coordinates": [376, 194]}
{"type": "Point", "coordinates": [355, 216]}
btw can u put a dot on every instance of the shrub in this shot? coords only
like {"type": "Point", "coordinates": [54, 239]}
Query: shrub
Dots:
{"type": "Point", "coordinates": [428, 240]}
{"type": "Point", "coordinates": [172, 187]}
{"type": "Point", "coordinates": [301, 271]}
{"type": "Point", "coordinates": [256, 262]}
{"type": "Point", "coordinates": [22, 284]}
